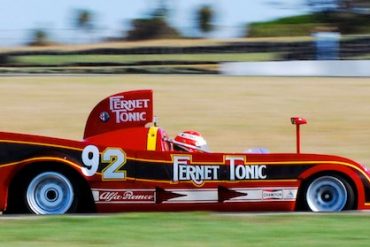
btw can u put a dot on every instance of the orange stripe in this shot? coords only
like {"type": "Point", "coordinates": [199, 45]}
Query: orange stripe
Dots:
{"type": "Point", "coordinates": [205, 163]}
{"type": "Point", "coordinates": [44, 158]}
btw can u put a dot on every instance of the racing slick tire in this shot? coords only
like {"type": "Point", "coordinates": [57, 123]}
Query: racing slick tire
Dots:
{"type": "Point", "coordinates": [329, 193]}
{"type": "Point", "coordinates": [50, 192]}
{"type": "Point", "coordinates": [54, 189]}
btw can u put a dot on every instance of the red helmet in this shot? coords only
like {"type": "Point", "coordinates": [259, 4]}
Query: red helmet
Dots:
{"type": "Point", "coordinates": [191, 141]}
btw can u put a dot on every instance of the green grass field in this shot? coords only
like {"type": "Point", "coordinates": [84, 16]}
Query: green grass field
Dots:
{"type": "Point", "coordinates": [187, 229]}
{"type": "Point", "coordinates": [65, 59]}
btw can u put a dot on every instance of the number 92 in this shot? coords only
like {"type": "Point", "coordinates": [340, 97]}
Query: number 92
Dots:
{"type": "Point", "coordinates": [114, 157]}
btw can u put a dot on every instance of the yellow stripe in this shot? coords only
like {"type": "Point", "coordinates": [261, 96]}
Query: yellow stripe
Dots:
{"type": "Point", "coordinates": [152, 139]}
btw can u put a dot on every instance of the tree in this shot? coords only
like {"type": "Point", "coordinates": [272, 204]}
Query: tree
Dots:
{"type": "Point", "coordinates": [40, 38]}
{"type": "Point", "coordinates": [161, 11]}
{"type": "Point", "coordinates": [349, 5]}
{"type": "Point", "coordinates": [336, 5]}
{"type": "Point", "coordinates": [323, 5]}
{"type": "Point", "coordinates": [155, 26]}
{"type": "Point", "coordinates": [205, 16]}
{"type": "Point", "coordinates": [151, 28]}
{"type": "Point", "coordinates": [84, 21]}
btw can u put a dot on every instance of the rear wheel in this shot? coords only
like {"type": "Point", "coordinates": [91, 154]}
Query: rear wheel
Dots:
{"type": "Point", "coordinates": [50, 192]}
{"type": "Point", "coordinates": [329, 194]}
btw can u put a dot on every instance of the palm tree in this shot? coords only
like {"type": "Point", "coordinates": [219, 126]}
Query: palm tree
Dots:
{"type": "Point", "coordinates": [84, 21]}
{"type": "Point", "coordinates": [205, 16]}
{"type": "Point", "coordinates": [39, 38]}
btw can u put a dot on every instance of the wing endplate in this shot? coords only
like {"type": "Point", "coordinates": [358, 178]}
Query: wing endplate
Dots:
{"type": "Point", "coordinates": [120, 111]}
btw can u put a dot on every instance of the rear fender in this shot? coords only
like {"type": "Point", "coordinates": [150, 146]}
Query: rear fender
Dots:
{"type": "Point", "coordinates": [31, 165]}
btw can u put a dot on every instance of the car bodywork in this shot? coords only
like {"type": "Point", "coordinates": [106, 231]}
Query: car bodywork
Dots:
{"type": "Point", "coordinates": [125, 163]}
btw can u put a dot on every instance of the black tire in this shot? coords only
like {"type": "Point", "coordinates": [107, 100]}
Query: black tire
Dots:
{"type": "Point", "coordinates": [43, 192]}
{"type": "Point", "coordinates": [50, 192]}
{"type": "Point", "coordinates": [328, 193]}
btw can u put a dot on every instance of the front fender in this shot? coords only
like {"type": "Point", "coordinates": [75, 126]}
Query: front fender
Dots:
{"type": "Point", "coordinates": [353, 173]}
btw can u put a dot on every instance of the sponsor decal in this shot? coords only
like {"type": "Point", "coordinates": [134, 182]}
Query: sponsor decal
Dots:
{"type": "Point", "coordinates": [183, 170]}
{"type": "Point", "coordinates": [209, 195]}
{"type": "Point", "coordinates": [123, 196]}
{"type": "Point", "coordinates": [239, 171]}
{"type": "Point", "coordinates": [272, 194]}
{"type": "Point", "coordinates": [104, 116]}
{"type": "Point", "coordinates": [290, 194]}
{"type": "Point", "coordinates": [128, 110]}
{"type": "Point", "coordinates": [265, 194]}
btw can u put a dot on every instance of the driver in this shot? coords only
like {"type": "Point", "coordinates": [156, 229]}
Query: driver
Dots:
{"type": "Point", "coordinates": [190, 141]}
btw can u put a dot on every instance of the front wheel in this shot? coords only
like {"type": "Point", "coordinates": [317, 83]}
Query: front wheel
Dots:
{"type": "Point", "coordinates": [50, 193]}
{"type": "Point", "coordinates": [329, 194]}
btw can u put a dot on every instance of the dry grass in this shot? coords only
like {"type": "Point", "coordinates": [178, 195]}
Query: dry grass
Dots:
{"type": "Point", "coordinates": [233, 113]}
{"type": "Point", "coordinates": [153, 43]}
{"type": "Point", "coordinates": [122, 44]}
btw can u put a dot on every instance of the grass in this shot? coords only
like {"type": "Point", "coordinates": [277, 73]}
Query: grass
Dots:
{"type": "Point", "coordinates": [65, 59]}
{"type": "Point", "coordinates": [302, 25]}
{"type": "Point", "coordinates": [233, 113]}
{"type": "Point", "coordinates": [150, 43]}
{"type": "Point", "coordinates": [361, 57]}
{"type": "Point", "coordinates": [281, 29]}
{"type": "Point", "coordinates": [305, 25]}
{"type": "Point", "coordinates": [187, 229]}
{"type": "Point", "coordinates": [205, 68]}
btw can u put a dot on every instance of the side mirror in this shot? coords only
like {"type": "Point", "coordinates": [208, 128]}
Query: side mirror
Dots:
{"type": "Point", "coordinates": [298, 121]}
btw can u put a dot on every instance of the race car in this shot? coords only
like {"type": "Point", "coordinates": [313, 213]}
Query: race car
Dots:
{"type": "Point", "coordinates": [125, 162]}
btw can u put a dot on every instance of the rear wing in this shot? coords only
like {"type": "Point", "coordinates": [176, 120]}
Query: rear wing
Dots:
{"type": "Point", "coordinates": [120, 111]}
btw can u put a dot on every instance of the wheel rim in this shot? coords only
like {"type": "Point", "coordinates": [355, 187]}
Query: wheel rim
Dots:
{"type": "Point", "coordinates": [50, 193]}
{"type": "Point", "coordinates": [326, 194]}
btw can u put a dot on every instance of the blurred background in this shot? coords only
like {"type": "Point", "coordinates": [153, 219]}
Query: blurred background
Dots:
{"type": "Point", "coordinates": [183, 36]}
{"type": "Point", "coordinates": [235, 70]}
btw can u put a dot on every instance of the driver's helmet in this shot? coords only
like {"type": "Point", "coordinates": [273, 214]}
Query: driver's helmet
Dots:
{"type": "Point", "coordinates": [190, 141]}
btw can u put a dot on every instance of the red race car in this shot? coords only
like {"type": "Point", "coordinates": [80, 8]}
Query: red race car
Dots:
{"type": "Point", "coordinates": [126, 163]}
